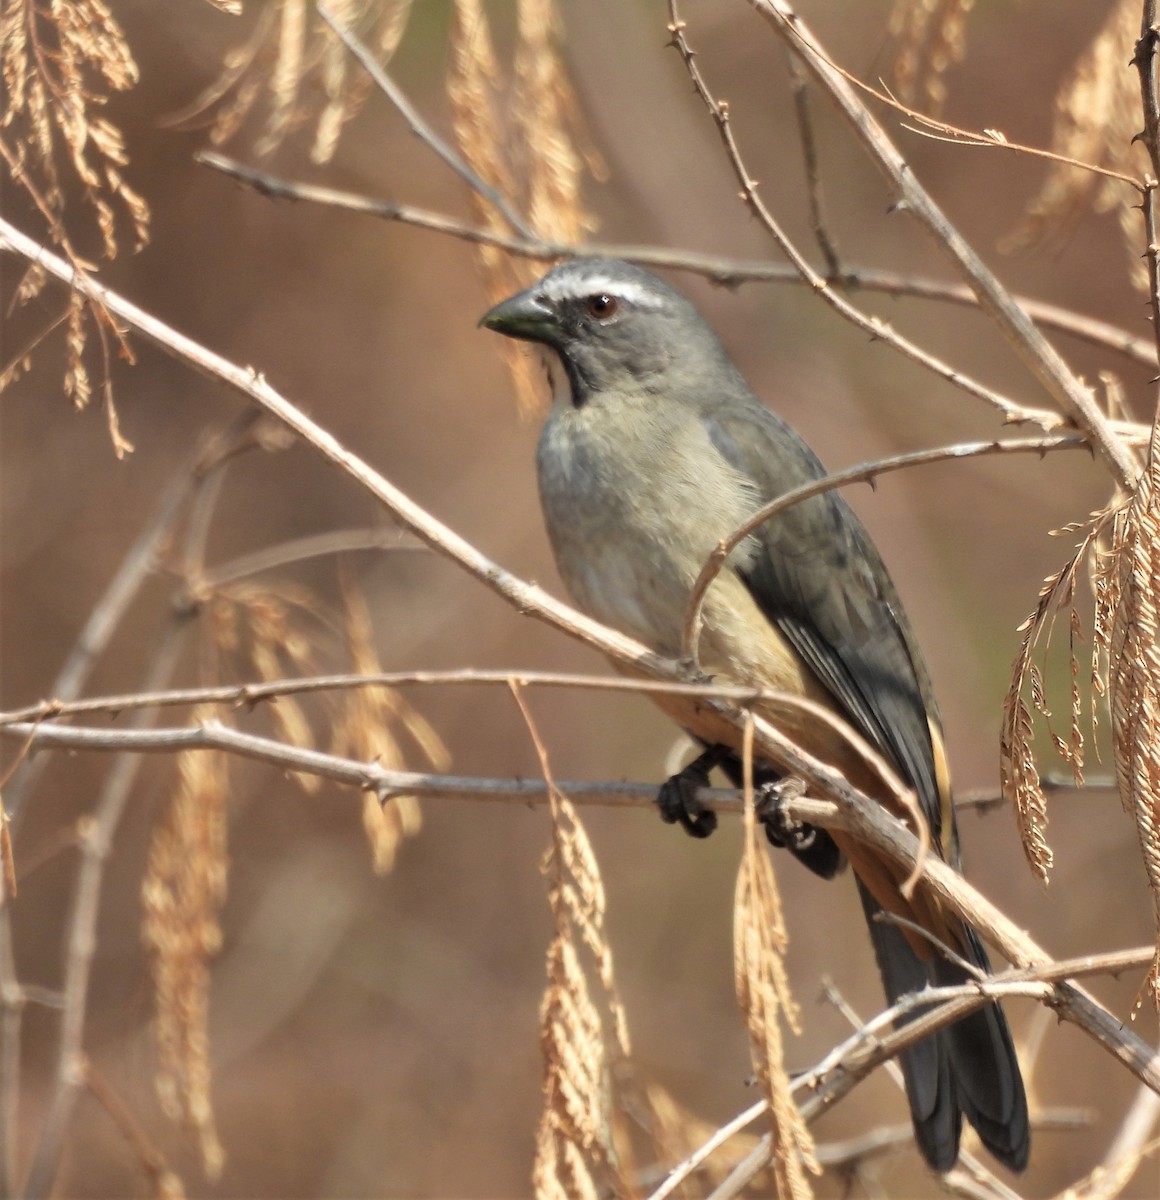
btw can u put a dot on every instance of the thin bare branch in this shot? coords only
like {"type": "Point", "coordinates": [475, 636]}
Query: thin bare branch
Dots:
{"type": "Point", "coordinates": [153, 1164]}
{"type": "Point", "coordinates": [1043, 360]}
{"type": "Point", "coordinates": [863, 473]}
{"type": "Point", "coordinates": [1144, 60]}
{"type": "Point", "coordinates": [96, 843]}
{"type": "Point", "coordinates": [801, 101]}
{"type": "Point", "coordinates": [137, 566]}
{"type": "Point", "coordinates": [317, 545]}
{"type": "Point", "coordinates": [246, 695]}
{"type": "Point", "coordinates": [727, 272]}
{"type": "Point", "coordinates": [993, 139]}
{"type": "Point", "coordinates": [856, 814]}
{"type": "Point", "coordinates": [681, 1172]}
{"type": "Point", "coordinates": [419, 127]}
{"type": "Point", "coordinates": [878, 329]}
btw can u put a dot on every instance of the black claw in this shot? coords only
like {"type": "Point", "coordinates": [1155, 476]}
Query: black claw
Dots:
{"type": "Point", "coordinates": [677, 797]}
{"type": "Point", "coordinates": [811, 846]}
{"type": "Point", "coordinates": [769, 808]}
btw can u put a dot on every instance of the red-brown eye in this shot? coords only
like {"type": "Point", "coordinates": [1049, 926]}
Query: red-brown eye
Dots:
{"type": "Point", "coordinates": [601, 305]}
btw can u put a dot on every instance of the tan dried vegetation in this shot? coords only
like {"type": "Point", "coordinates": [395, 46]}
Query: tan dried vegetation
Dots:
{"type": "Point", "coordinates": [267, 632]}
{"type": "Point", "coordinates": [520, 131]}
{"type": "Point", "coordinates": [1097, 114]}
{"type": "Point", "coordinates": [58, 63]}
{"type": "Point", "coordinates": [524, 137]}
{"type": "Point", "coordinates": [760, 940]}
{"type": "Point", "coordinates": [1097, 117]}
{"type": "Point", "coordinates": [185, 885]}
{"type": "Point", "coordinates": [583, 1028]}
{"type": "Point", "coordinates": [292, 69]}
{"type": "Point", "coordinates": [930, 36]}
{"type": "Point", "coordinates": [1129, 581]}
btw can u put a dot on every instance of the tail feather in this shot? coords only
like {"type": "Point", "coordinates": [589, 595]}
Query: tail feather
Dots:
{"type": "Point", "coordinates": [968, 1069]}
{"type": "Point", "coordinates": [986, 1070]}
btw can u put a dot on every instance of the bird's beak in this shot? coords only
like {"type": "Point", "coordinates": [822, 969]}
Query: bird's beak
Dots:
{"type": "Point", "coordinates": [525, 316]}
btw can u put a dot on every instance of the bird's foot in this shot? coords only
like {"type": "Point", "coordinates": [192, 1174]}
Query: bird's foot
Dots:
{"type": "Point", "coordinates": [677, 797]}
{"type": "Point", "coordinates": [769, 806]}
{"type": "Point", "coordinates": [810, 845]}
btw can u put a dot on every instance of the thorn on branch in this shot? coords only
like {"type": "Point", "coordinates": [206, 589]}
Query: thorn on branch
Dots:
{"type": "Point", "coordinates": [1145, 47]}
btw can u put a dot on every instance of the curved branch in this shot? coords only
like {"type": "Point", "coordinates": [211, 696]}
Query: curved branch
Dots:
{"type": "Point", "coordinates": [1043, 360]}
{"type": "Point", "coordinates": [850, 810]}
{"type": "Point", "coordinates": [863, 473]}
{"type": "Point", "coordinates": [726, 272]}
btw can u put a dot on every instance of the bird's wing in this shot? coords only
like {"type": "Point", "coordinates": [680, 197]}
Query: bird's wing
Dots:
{"type": "Point", "coordinates": [818, 577]}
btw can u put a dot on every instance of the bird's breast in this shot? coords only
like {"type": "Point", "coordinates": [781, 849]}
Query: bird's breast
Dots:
{"type": "Point", "coordinates": [634, 506]}
{"type": "Point", "coordinates": [633, 512]}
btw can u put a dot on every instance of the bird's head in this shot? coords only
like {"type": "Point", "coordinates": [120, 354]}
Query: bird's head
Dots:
{"type": "Point", "coordinates": [615, 327]}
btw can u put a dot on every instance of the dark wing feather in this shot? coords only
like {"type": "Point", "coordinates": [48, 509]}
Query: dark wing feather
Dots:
{"type": "Point", "coordinates": [819, 578]}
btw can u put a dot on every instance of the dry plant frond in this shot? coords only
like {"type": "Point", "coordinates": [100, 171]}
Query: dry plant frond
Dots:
{"type": "Point", "coordinates": [675, 1133]}
{"type": "Point", "coordinates": [365, 728]}
{"type": "Point", "coordinates": [546, 114]}
{"type": "Point", "coordinates": [763, 992]}
{"type": "Point", "coordinates": [1097, 113]}
{"type": "Point", "coordinates": [538, 148]}
{"type": "Point", "coordinates": [289, 59]}
{"type": "Point", "coordinates": [930, 36]}
{"type": "Point", "coordinates": [31, 284]}
{"type": "Point", "coordinates": [286, 75]}
{"type": "Point", "coordinates": [1130, 601]}
{"type": "Point", "coordinates": [7, 860]}
{"type": "Point", "coordinates": [1018, 770]}
{"type": "Point", "coordinates": [256, 623]}
{"type": "Point", "coordinates": [474, 87]}
{"type": "Point", "coordinates": [583, 1039]}
{"type": "Point", "coordinates": [345, 95]}
{"type": "Point", "coordinates": [182, 894]}
{"type": "Point", "coordinates": [58, 63]}
{"type": "Point", "coordinates": [1108, 1182]}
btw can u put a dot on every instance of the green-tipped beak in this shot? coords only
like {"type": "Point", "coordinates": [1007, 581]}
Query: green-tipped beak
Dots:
{"type": "Point", "coordinates": [525, 316]}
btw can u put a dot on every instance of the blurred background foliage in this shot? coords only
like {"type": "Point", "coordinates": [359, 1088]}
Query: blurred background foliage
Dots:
{"type": "Point", "coordinates": [376, 1035]}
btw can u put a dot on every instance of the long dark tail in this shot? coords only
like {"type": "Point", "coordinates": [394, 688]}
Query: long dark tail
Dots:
{"type": "Point", "coordinates": [968, 1069]}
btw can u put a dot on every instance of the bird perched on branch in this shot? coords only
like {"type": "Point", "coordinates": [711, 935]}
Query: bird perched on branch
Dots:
{"type": "Point", "coordinates": [654, 451]}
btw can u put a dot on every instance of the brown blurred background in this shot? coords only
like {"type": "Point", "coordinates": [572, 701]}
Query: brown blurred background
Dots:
{"type": "Point", "coordinates": [377, 1036]}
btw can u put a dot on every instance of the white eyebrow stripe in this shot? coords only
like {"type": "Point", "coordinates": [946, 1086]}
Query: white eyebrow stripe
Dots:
{"type": "Point", "coordinates": [624, 289]}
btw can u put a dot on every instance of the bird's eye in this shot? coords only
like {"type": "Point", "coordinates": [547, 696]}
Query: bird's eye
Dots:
{"type": "Point", "coordinates": [601, 305]}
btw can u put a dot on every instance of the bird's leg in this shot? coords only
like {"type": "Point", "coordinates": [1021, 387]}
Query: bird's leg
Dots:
{"type": "Point", "coordinates": [769, 800]}
{"type": "Point", "coordinates": [808, 844]}
{"type": "Point", "coordinates": [677, 797]}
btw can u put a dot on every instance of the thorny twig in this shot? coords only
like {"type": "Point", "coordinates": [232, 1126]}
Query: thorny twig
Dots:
{"type": "Point", "coordinates": [845, 804]}
{"type": "Point", "coordinates": [1044, 361]}
{"type": "Point", "coordinates": [874, 326]}
{"type": "Point", "coordinates": [727, 272]}
{"type": "Point", "coordinates": [863, 473]}
{"type": "Point", "coordinates": [801, 100]}
{"type": "Point", "coordinates": [1144, 60]}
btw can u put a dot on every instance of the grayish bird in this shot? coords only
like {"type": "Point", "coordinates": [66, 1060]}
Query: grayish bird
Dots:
{"type": "Point", "coordinates": [654, 450]}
